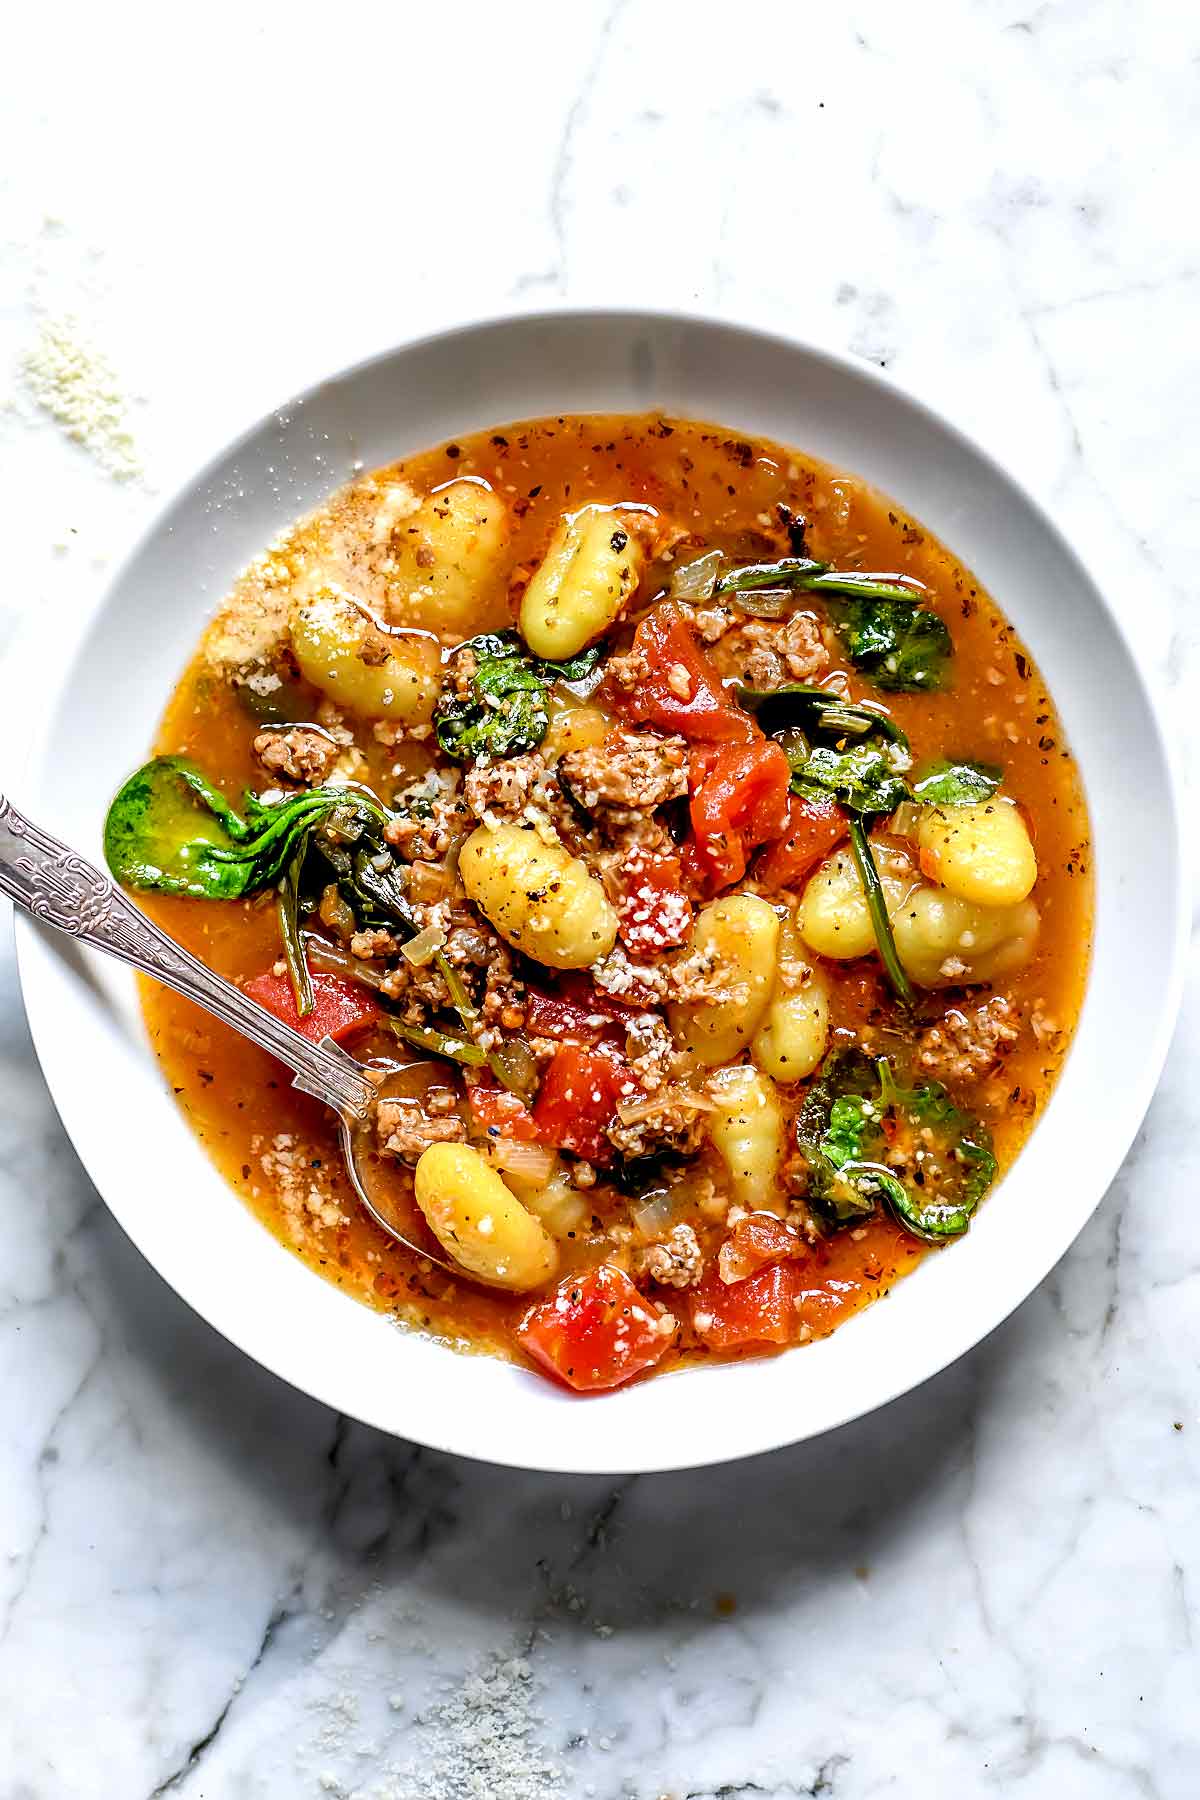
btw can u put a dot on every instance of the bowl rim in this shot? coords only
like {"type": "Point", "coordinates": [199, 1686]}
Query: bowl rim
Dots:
{"type": "Point", "coordinates": [33, 743]}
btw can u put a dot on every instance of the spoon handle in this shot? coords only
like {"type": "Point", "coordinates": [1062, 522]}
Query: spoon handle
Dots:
{"type": "Point", "coordinates": [58, 886]}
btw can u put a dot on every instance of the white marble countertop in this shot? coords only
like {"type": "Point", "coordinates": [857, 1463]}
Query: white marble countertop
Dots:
{"type": "Point", "coordinates": [209, 1585]}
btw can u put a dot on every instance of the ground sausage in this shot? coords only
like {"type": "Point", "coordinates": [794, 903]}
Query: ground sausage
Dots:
{"type": "Point", "coordinates": [301, 753]}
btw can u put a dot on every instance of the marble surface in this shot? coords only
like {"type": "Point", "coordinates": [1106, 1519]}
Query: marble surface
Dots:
{"type": "Point", "coordinates": [211, 1586]}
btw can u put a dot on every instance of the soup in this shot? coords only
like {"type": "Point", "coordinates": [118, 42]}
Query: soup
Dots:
{"type": "Point", "coordinates": [688, 845]}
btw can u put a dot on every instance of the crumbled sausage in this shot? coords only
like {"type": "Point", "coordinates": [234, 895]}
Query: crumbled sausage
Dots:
{"type": "Point", "coordinates": [632, 770]}
{"type": "Point", "coordinates": [767, 652]}
{"type": "Point", "coordinates": [505, 790]}
{"type": "Point", "coordinates": [677, 1261]}
{"type": "Point", "coordinates": [370, 944]}
{"type": "Point", "coordinates": [405, 1130]}
{"type": "Point", "coordinates": [967, 1045]}
{"type": "Point", "coordinates": [301, 753]}
{"type": "Point", "coordinates": [426, 833]}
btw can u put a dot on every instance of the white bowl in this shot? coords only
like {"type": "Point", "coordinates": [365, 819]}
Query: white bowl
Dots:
{"type": "Point", "coordinates": [102, 699]}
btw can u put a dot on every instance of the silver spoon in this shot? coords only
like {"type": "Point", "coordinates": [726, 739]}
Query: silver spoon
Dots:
{"type": "Point", "coordinates": [55, 884]}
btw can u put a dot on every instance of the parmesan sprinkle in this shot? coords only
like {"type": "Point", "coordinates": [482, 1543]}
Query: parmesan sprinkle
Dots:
{"type": "Point", "coordinates": [78, 387]}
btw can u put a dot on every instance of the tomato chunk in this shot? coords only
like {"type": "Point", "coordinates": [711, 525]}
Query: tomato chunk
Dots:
{"type": "Point", "coordinates": [741, 803]}
{"type": "Point", "coordinates": [757, 1240]}
{"type": "Point", "coordinates": [810, 830]}
{"type": "Point", "coordinates": [682, 692]}
{"type": "Point", "coordinates": [653, 913]}
{"type": "Point", "coordinates": [340, 1007]}
{"type": "Point", "coordinates": [760, 1310]}
{"type": "Point", "coordinates": [597, 1331]}
{"type": "Point", "coordinates": [580, 1092]}
{"type": "Point", "coordinates": [502, 1113]}
{"type": "Point", "coordinates": [576, 1009]}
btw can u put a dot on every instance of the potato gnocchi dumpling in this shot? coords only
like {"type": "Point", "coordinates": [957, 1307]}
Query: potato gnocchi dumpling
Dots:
{"type": "Point", "coordinates": [541, 899]}
{"type": "Point", "coordinates": [447, 572]}
{"type": "Point", "coordinates": [479, 1222]}
{"type": "Point", "coordinates": [981, 853]}
{"type": "Point", "coordinates": [687, 844]}
{"type": "Point", "coordinates": [747, 1129]}
{"type": "Point", "coordinates": [739, 937]}
{"type": "Point", "coordinates": [346, 653]}
{"type": "Point", "coordinates": [584, 582]}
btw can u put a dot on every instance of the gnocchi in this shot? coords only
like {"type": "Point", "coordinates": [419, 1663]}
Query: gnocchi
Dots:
{"type": "Point", "coordinates": [747, 1130]}
{"type": "Point", "coordinates": [481, 1223]}
{"type": "Point", "coordinates": [791, 1040]}
{"type": "Point", "coordinates": [541, 899]}
{"type": "Point", "coordinates": [379, 674]}
{"type": "Point", "coordinates": [833, 919]}
{"type": "Point", "coordinates": [447, 561]}
{"type": "Point", "coordinates": [947, 942]}
{"type": "Point", "coordinates": [941, 939]}
{"type": "Point", "coordinates": [583, 582]}
{"type": "Point", "coordinates": [741, 934]}
{"type": "Point", "coordinates": [981, 852]}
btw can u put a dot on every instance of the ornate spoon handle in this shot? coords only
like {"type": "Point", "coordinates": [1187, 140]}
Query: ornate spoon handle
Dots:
{"type": "Point", "coordinates": [57, 885]}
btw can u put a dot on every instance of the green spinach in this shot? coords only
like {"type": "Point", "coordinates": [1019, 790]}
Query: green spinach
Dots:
{"type": "Point", "coordinates": [898, 644]}
{"type": "Point", "coordinates": [855, 1112]}
{"type": "Point", "coordinates": [818, 713]}
{"type": "Point", "coordinates": [864, 781]}
{"type": "Point", "coordinates": [957, 783]}
{"type": "Point", "coordinates": [505, 713]}
{"type": "Point", "coordinates": [171, 830]}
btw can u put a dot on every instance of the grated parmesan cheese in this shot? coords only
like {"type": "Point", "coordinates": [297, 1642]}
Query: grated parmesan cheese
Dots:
{"type": "Point", "coordinates": [78, 387]}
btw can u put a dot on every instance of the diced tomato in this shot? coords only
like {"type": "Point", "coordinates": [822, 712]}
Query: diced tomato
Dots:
{"type": "Point", "coordinates": [760, 1310]}
{"type": "Point", "coordinates": [340, 1008]}
{"type": "Point", "coordinates": [811, 829]}
{"type": "Point", "coordinates": [576, 1009]}
{"type": "Point", "coordinates": [741, 803]}
{"type": "Point", "coordinates": [596, 1331]}
{"type": "Point", "coordinates": [580, 1092]}
{"type": "Point", "coordinates": [757, 1240]}
{"type": "Point", "coordinates": [653, 913]}
{"type": "Point", "coordinates": [682, 691]}
{"type": "Point", "coordinates": [500, 1112]}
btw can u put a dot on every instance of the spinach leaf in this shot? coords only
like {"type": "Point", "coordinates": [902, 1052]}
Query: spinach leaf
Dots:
{"type": "Point", "coordinates": [505, 713]}
{"type": "Point", "coordinates": [957, 784]}
{"type": "Point", "coordinates": [287, 910]}
{"type": "Point", "coordinates": [793, 572]}
{"type": "Point", "coordinates": [862, 778]}
{"type": "Point", "coordinates": [803, 574]}
{"type": "Point", "coordinates": [170, 829]}
{"type": "Point", "coordinates": [818, 713]}
{"type": "Point", "coordinates": [945, 1154]}
{"type": "Point", "coordinates": [951, 1156]}
{"type": "Point", "coordinates": [837, 1128]}
{"type": "Point", "coordinates": [881, 924]}
{"type": "Point", "coordinates": [893, 640]}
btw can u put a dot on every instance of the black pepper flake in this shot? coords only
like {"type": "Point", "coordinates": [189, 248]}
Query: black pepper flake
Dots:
{"type": "Point", "coordinates": [619, 540]}
{"type": "Point", "coordinates": [453, 452]}
{"type": "Point", "coordinates": [501, 443]}
{"type": "Point", "coordinates": [1022, 666]}
{"type": "Point", "coordinates": [535, 491]}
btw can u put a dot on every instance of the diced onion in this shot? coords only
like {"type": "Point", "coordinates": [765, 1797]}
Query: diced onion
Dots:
{"type": "Point", "coordinates": [633, 1111]}
{"type": "Point", "coordinates": [696, 580]}
{"type": "Point", "coordinates": [528, 1162]}
{"type": "Point", "coordinates": [905, 819]}
{"type": "Point", "coordinates": [424, 947]}
{"type": "Point", "coordinates": [765, 603]}
{"type": "Point", "coordinates": [653, 1217]}
{"type": "Point", "coordinates": [512, 1062]}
